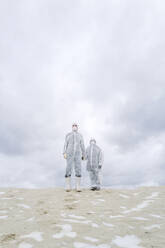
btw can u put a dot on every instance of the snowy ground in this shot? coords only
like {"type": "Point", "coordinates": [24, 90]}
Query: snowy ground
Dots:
{"type": "Point", "coordinates": [111, 218]}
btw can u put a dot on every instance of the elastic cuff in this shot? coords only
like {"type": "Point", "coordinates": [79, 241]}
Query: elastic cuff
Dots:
{"type": "Point", "coordinates": [67, 176]}
{"type": "Point", "coordinates": [78, 175]}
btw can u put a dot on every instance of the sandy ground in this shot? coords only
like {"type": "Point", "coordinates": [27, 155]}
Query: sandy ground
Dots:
{"type": "Point", "coordinates": [110, 218]}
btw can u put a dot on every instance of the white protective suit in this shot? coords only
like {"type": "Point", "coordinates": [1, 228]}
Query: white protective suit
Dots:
{"type": "Point", "coordinates": [75, 151]}
{"type": "Point", "coordinates": [94, 158]}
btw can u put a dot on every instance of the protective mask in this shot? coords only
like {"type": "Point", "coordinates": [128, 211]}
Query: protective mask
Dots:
{"type": "Point", "coordinates": [92, 142]}
{"type": "Point", "coordinates": [74, 128]}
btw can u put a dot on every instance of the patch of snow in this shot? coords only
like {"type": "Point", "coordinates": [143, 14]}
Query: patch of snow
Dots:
{"type": "Point", "coordinates": [139, 218]}
{"type": "Point", "coordinates": [58, 235]}
{"type": "Point", "coordinates": [23, 205]}
{"type": "Point", "coordinates": [94, 225]}
{"type": "Point", "coordinates": [107, 224]}
{"type": "Point", "coordinates": [116, 216]}
{"type": "Point", "coordinates": [25, 245]}
{"type": "Point", "coordinates": [129, 241]}
{"type": "Point", "coordinates": [78, 221]}
{"type": "Point", "coordinates": [66, 231]}
{"type": "Point", "coordinates": [30, 219]}
{"type": "Point", "coordinates": [139, 207]}
{"type": "Point", "coordinates": [156, 216]}
{"type": "Point", "coordinates": [34, 235]}
{"type": "Point", "coordinates": [75, 201]}
{"type": "Point", "coordinates": [143, 204]}
{"type": "Point", "coordinates": [91, 239]}
{"type": "Point", "coordinates": [76, 217]}
{"type": "Point", "coordinates": [6, 198]}
{"type": "Point", "coordinates": [124, 196]}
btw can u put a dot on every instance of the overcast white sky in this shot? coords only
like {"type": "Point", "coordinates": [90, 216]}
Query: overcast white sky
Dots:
{"type": "Point", "coordinates": [98, 63]}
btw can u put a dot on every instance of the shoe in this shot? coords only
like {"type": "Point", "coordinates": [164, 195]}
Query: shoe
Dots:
{"type": "Point", "coordinates": [68, 184]}
{"type": "Point", "coordinates": [93, 188]}
{"type": "Point", "coordinates": [78, 180]}
{"type": "Point", "coordinates": [97, 188]}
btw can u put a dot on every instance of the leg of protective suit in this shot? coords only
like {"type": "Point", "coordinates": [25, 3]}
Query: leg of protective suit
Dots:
{"type": "Point", "coordinates": [77, 166]}
{"type": "Point", "coordinates": [100, 177]}
{"type": "Point", "coordinates": [69, 167]}
{"type": "Point", "coordinates": [97, 178]}
{"type": "Point", "coordinates": [92, 178]}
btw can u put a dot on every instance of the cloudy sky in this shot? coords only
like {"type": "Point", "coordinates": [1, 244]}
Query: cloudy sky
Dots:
{"type": "Point", "coordinates": [97, 63]}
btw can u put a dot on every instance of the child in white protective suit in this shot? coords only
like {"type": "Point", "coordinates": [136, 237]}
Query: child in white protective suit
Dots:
{"type": "Point", "coordinates": [94, 159]}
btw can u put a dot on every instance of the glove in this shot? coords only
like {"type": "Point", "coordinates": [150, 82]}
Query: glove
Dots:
{"type": "Point", "coordinates": [100, 166]}
{"type": "Point", "coordinates": [65, 156]}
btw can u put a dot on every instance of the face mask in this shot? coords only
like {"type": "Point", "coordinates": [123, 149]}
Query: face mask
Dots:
{"type": "Point", "coordinates": [92, 143]}
{"type": "Point", "coordinates": [74, 128]}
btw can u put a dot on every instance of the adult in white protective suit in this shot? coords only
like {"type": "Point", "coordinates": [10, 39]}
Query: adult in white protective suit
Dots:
{"type": "Point", "coordinates": [94, 158]}
{"type": "Point", "coordinates": [74, 153]}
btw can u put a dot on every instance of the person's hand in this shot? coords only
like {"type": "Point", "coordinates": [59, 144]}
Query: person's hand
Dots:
{"type": "Point", "coordinates": [65, 156]}
{"type": "Point", "coordinates": [100, 167]}
{"type": "Point", "coordinates": [82, 158]}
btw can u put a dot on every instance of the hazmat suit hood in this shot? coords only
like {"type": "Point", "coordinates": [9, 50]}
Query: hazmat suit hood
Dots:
{"type": "Point", "coordinates": [74, 127]}
{"type": "Point", "coordinates": [92, 142]}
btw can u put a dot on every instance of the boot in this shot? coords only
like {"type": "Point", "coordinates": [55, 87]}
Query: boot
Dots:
{"type": "Point", "coordinates": [78, 180]}
{"type": "Point", "coordinates": [68, 184]}
{"type": "Point", "coordinates": [93, 188]}
{"type": "Point", "coordinates": [98, 188]}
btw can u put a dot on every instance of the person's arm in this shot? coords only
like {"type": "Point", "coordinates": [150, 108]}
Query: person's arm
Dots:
{"type": "Point", "coordinates": [82, 148]}
{"type": "Point", "coordinates": [65, 146]}
{"type": "Point", "coordinates": [100, 159]}
{"type": "Point", "coordinates": [86, 154]}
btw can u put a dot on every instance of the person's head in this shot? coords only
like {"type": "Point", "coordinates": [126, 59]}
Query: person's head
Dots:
{"type": "Point", "coordinates": [92, 141]}
{"type": "Point", "coordinates": [74, 127]}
